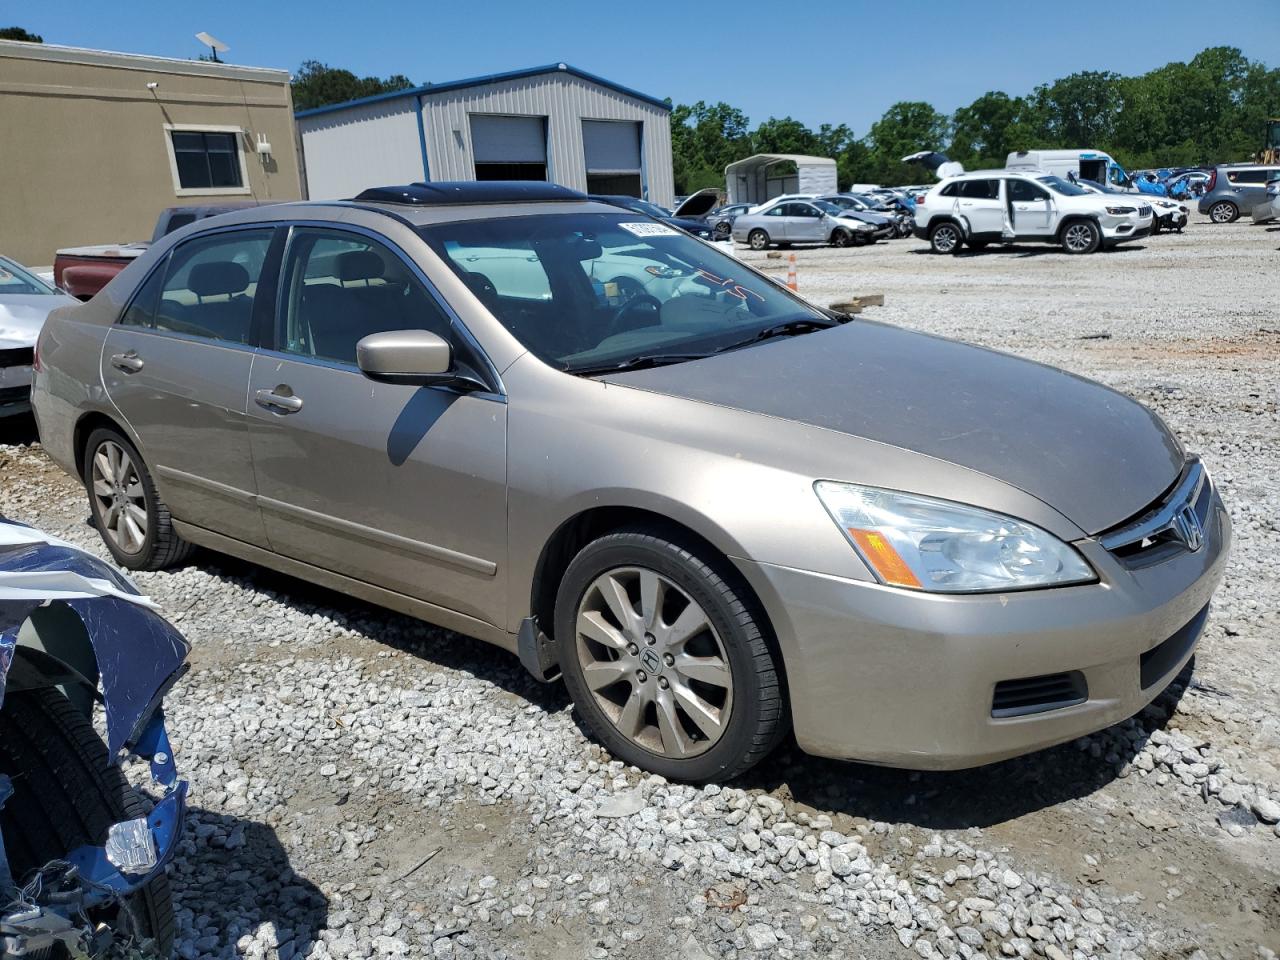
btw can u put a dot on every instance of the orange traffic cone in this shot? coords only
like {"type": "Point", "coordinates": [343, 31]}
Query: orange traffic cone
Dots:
{"type": "Point", "coordinates": [791, 274]}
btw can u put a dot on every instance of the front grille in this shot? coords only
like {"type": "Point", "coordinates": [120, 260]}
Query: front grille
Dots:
{"type": "Point", "coordinates": [1144, 210]}
{"type": "Point", "coordinates": [1053, 691]}
{"type": "Point", "coordinates": [1161, 530]}
{"type": "Point", "coordinates": [1159, 661]}
{"type": "Point", "coordinates": [17, 357]}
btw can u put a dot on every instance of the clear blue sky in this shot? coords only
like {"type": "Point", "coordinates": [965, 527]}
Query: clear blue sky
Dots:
{"type": "Point", "coordinates": [843, 62]}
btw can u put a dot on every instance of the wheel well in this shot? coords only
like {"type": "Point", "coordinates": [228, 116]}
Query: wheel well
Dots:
{"type": "Point", "coordinates": [85, 426]}
{"type": "Point", "coordinates": [943, 218]}
{"type": "Point", "coordinates": [1076, 218]}
{"type": "Point", "coordinates": [576, 532]}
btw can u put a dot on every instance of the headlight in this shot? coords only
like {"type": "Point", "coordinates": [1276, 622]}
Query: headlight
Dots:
{"type": "Point", "coordinates": [1120, 211]}
{"type": "Point", "coordinates": [943, 547]}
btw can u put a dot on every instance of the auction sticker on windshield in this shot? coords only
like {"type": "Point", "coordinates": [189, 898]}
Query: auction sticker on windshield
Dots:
{"type": "Point", "coordinates": [643, 229]}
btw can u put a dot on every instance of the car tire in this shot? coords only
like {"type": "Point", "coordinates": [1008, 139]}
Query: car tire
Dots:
{"type": "Point", "coordinates": [757, 240]}
{"type": "Point", "coordinates": [640, 703]}
{"type": "Point", "coordinates": [1080, 236]}
{"type": "Point", "coordinates": [841, 238]}
{"type": "Point", "coordinates": [1155, 225]}
{"type": "Point", "coordinates": [945, 237]}
{"type": "Point", "coordinates": [116, 476]}
{"type": "Point", "coordinates": [67, 794]}
{"type": "Point", "coordinates": [1224, 211]}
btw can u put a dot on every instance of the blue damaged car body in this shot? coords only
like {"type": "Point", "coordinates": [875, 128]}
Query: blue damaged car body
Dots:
{"type": "Point", "coordinates": [136, 656]}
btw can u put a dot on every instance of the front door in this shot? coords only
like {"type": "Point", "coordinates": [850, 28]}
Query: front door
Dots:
{"type": "Point", "coordinates": [176, 367]}
{"type": "Point", "coordinates": [1031, 207]}
{"type": "Point", "coordinates": [400, 486]}
{"type": "Point", "coordinates": [805, 223]}
{"type": "Point", "coordinates": [981, 204]}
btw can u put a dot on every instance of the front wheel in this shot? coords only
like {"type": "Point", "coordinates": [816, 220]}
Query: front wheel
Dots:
{"type": "Point", "coordinates": [130, 516]}
{"type": "Point", "coordinates": [945, 238]}
{"type": "Point", "coordinates": [1081, 236]}
{"type": "Point", "coordinates": [1156, 226]}
{"type": "Point", "coordinates": [757, 239]}
{"type": "Point", "coordinates": [666, 659]}
{"type": "Point", "coordinates": [841, 238]}
{"type": "Point", "coordinates": [1224, 211]}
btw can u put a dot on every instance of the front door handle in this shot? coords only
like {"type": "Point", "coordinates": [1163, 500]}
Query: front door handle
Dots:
{"type": "Point", "coordinates": [281, 402]}
{"type": "Point", "coordinates": [129, 362]}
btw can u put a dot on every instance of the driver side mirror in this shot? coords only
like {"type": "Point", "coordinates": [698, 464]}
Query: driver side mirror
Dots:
{"type": "Point", "coordinates": [406, 356]}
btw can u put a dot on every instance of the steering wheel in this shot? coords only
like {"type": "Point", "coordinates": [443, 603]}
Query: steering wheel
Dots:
{"type": "Point", "coordinates": [637, 300]}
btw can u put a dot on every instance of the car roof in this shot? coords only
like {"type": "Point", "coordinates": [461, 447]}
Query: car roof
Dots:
{"type": "Point", "coordinates": [419, 204]}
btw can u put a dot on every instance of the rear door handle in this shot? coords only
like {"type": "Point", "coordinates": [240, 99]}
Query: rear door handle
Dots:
{"type": "Point", "coordinates": [284, 403]}
{"type": "Point", "coordinates": [129, 362]}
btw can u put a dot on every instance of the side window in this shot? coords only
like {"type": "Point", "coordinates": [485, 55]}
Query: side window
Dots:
{"type": "Point", "coordinates": [950, 190]}
{"type": "Point", "coordinates": [141, 311]}
{"type": "Point", "coordinates": [980, 189]}
{"type": "Point", "coordinates": [1020, 191]}
{"type": "Point", "coordinates": [340, 287]}
{"type": "Point", "coordinates": [779, 211]}
{"type": "Point", "coordinates": [1251, 176]}
{"type": "Point", "coordinates": [806, 210]}
{"type": "Point", "coordinates": [208, 288]}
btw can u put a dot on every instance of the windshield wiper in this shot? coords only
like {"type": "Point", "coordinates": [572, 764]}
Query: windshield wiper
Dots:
{"type": "Point", "coordinates": [787, 328]}
{"type": "Point", "coordinates": [641, 362]}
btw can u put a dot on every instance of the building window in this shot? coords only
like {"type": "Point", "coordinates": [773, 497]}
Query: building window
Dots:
{"type": "Point", "coordinates": [206, 160]}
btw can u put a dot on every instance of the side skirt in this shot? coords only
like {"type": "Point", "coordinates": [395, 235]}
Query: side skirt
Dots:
{"type": "Point", "coordinates": [420, 609]}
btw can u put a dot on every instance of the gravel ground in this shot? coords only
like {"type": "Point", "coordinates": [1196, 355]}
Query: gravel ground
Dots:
{"type": "Point", "coordinates": [367, 785]}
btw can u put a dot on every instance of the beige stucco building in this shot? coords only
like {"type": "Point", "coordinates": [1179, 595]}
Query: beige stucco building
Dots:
{"type": "Point", "coordinates": [93, 145]}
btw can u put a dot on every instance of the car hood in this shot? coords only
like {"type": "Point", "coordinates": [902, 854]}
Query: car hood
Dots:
{"type": "Point", "coordinates": [22, 316]}
{"type": "Point", "coordinates": [684, 223]}
{"type": "Point", "coordinates": [1091, 453]}
{"type": "Point", "coordinates": [867, 216]}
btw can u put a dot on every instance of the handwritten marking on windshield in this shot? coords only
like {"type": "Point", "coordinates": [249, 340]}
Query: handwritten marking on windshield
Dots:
{"type": "Point", "coordinates": [729, 286]}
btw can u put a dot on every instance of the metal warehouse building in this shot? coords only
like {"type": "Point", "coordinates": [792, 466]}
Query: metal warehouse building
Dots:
{"type": "Point", "coordinates": [553, 123]}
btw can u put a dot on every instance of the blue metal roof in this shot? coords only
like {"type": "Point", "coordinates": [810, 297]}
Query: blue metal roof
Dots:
{"type": "Point", "coordinates": [430, 88]}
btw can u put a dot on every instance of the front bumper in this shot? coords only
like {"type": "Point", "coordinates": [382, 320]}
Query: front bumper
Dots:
{"type": "Point", "coordinates": [15, 389]}
{"type": "Point", "coordinates": [908, 679]}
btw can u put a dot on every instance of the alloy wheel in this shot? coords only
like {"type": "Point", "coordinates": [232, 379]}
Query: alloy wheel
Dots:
{"type": "Point", "coordinates": [119, 497]}
{"type": "Point", "coordinates": [654, 663]}
{"type": "Point", "coordinates": [945, 239]}
{"type": "Point", "coordinates": [1078, 237]}
{"type": "Point", "coordinates": [758, 240]}
{"type": "Point", "coordinates": [1222, 212]}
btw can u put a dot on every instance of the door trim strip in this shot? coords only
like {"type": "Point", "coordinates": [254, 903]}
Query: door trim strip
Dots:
{"type": "Point", "coordinates": [429, 550]}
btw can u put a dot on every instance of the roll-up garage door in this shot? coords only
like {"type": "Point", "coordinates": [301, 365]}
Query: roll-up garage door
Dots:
{"type": "Point", "coordinates": [612, 149]}
{"type": "Point", "coordinates": [509, 148]}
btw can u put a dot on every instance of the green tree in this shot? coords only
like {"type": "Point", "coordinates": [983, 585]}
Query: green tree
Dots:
{"type": "Point", "coordinates": [705, 138]}
{"type": "Point", "coordinates": [318, 84]}
{"type": "Point", "coordinates": [905, 128]}
{"type": "Point", "coordinates": [1080, 110]}
{"type": "Point", "coordinates": [18, 33]}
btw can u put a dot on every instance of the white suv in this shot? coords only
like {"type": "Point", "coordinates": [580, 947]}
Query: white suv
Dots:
{"type": "Point", "coordinates": [1004, 206]}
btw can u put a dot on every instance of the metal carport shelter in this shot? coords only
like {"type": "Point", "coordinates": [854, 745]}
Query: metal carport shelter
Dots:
{"type": "Point", "coordinates": [749, 180]}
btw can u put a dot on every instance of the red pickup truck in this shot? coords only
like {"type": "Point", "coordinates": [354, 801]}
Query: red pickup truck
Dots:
{"type": "Point", "coordinates": [83, 271]}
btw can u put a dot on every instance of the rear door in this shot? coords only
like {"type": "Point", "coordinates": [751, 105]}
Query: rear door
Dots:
{"type": "Point", "coordinates": [981, 204]}
{"type": "Point", "coordinates": [1032, 207]}
{"type": "Point", "coordinates": [177, 365]}
{"type": "Point", "coordinates": [400, 486]}
{"type": "Point", "coordinates": [1250, 185]}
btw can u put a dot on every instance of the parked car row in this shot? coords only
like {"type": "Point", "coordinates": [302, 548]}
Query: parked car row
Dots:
{"type": "Point", "coordinates": [840, 219]}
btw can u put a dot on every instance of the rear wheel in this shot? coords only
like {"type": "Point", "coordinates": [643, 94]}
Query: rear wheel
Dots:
{"type": "Point", "coordinates": [127, 511]}
{"type": "Point", "coordinates": [666, 658]}
{"type": "Point", "coordinates": [1224, 211]}
{"type": "Point", "coordinates": [1081, 236]}
{"type": "Point", "coordinates": [67, 794]}
{"type": "Point", "coordinates": [758, 239]}
{"type": "Point", "coordinates": [945, 238]}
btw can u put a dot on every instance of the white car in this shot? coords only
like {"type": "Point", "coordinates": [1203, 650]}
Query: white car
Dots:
{"type": "Point", "coordinates": [1005, 206]}
{"type": "Point", "coordinates": [25, 301]}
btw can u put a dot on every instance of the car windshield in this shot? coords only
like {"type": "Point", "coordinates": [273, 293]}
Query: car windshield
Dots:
{"type": "Point", "coordinates": [1064, 187]}
{"type": "Point", "coordinates": [14, 279]}
{"type": "Point", "coordinates": [584, 292]}
{"type": "Point", "coordinates": [825, 206]}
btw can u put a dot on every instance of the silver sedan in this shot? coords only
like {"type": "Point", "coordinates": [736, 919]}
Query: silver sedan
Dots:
{"type": "Point", "coordinates": [25, 302]}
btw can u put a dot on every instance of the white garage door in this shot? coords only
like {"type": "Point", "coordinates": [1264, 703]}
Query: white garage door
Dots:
{"type": "Point", "coordinates": [508, 139]}
{"type": "Point", "coordinates": [611, 146]}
